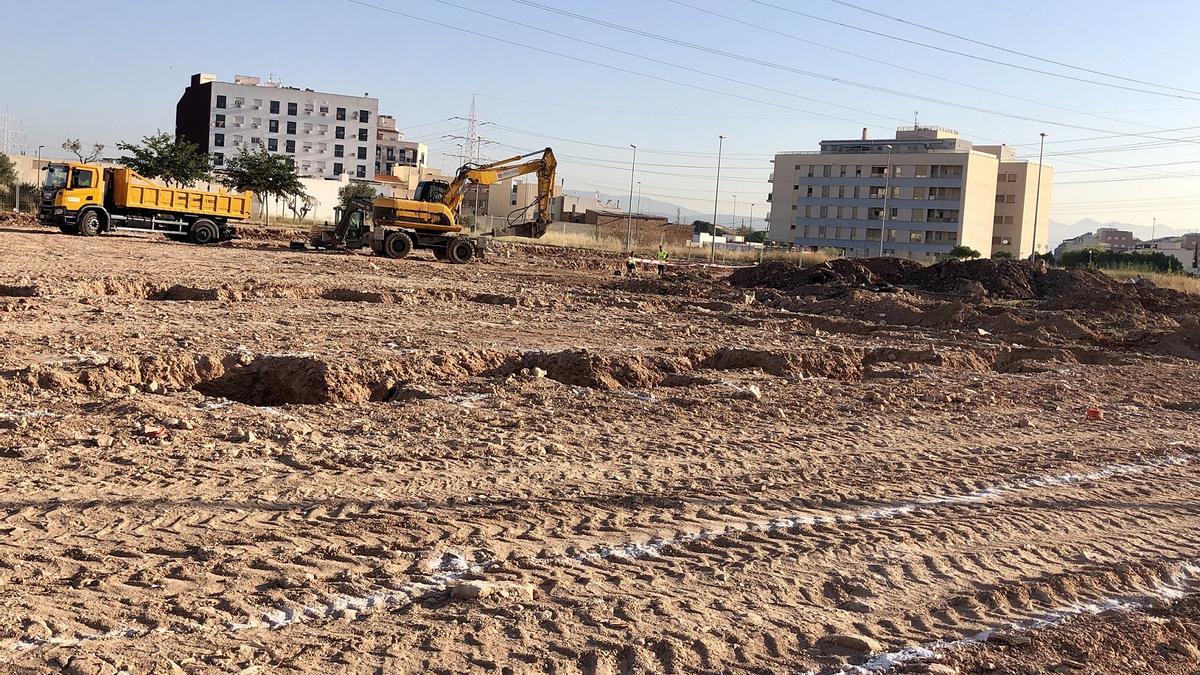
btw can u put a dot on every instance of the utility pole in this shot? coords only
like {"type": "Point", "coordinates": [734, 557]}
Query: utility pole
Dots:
{"type": "Point", "coordinates": [717, 198]}
{"type": "Point", "coordinates": [1153, 227]}
{"type": "Point", "coordinates": [887, 187]}
{"type": "Point", "coordinates": [1037, 195]}
{"type": "Point", "coordinates": [629, 223]}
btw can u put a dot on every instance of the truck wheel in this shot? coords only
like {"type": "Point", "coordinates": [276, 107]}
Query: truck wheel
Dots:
{"type": "Point", "coordinates": [397, 245]}
{"type": "Point", "coordinates": [204, 232]}
{"type": "Point", "coordinates": [460, 251]}
{"type": "Point", "coordinates": [89, 224]}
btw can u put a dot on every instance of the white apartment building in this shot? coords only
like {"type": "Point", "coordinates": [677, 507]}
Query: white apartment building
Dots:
{"type": "Point", "coordinates": [939, 191]}
{"type": "Point", "coordinates": [321, 134]}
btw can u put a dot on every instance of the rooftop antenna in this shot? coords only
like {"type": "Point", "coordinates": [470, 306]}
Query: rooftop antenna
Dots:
{"type": "Point", "coordinates": [915, 114]}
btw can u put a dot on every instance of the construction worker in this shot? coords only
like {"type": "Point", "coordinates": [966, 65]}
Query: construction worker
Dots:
{"type": "Point", "coordinates": [631, 265]}
{"type": "Point", "coordinates": [662, 259]}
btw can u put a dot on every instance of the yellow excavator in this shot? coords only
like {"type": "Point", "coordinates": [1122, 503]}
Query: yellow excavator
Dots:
{"type": "Point", "coordinates": [393, 227]}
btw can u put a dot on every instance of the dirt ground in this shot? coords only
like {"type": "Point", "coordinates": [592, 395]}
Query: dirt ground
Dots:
{"type": "Point", "coordinates": [246, 459]}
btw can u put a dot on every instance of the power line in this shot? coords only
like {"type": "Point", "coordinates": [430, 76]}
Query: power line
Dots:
{"type": "Point", "coordinates": [891, 64]}
{"type": "Point", "coordinates": [966, 54]}
{"type": "Point", "coordinates": [769, 64]}
{"type": "Point", "coordinates": [1015, 52]}
{"type": "Point", "coordinates": [600, 64]}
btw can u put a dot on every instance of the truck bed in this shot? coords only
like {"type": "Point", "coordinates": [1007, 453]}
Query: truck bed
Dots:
{"type": "Point", "coordinates": [131, 191]}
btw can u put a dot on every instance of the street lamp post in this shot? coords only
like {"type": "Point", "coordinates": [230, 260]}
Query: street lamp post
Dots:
{"type": "Point", "coordinates": [639, 198]}
{"type": "Point", "coordinates": [1037, 196]}
{"type": "Point", "coordinates": [629, 224]}
{"type": "Point", "coordinates": [752, 205]}
{"type": "Point", "coordinates": [887, 187]}
{"type": "Point", "coordinates": [717, 199]}
{"type": "Point", "coordinates": [39, 168]}
{"type": "Point", "coordinates": [733, 222]}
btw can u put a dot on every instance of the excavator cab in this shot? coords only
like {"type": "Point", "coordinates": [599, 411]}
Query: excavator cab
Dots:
{"type": "Point", "coordinates": [431, 191]}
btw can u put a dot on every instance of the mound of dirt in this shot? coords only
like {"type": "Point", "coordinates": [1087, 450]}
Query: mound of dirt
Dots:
{"type": "Point", "coordinates": [22, 220]}
{"type": "Point", "coordinates": [1007, 279]}
{"type": "Point", "coordinates": [791, 277]}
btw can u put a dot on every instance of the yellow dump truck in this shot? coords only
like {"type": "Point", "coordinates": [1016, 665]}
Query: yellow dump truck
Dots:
{"type": "Point", "coordinates": [89, 199]}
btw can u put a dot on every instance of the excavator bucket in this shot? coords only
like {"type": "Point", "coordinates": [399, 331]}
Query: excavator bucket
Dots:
{"type": "Point", "coordinates": [530, 229]}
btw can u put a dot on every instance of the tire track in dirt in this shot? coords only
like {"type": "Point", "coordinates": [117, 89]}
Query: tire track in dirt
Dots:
{"type": "Point", "coordinates": [453, 568]}
{"type": "Point", "coordinates": [1177, 581]}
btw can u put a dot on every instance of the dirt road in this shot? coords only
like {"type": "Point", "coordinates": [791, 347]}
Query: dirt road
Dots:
{"type": "Point", "coordinates": [247, 459]}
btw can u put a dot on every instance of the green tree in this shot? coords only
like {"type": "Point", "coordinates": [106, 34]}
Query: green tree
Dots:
{"type": "Point", "coordinates": [73, 145]}
{"type": "Point", "coordinates": [703, 226]}
{"type": "Point", "coordinates": [757, 237]}
{"type": "Point", "coordinates": [961, 251]}
{"type": "Point", "coordinates": [263, 173]}
{"type": "Point", "coordinates": [1002, 255]}
{"type": "Point", "coordinates": [1155, 261]}
{"type": "Point", "coordinates": [8, 172]}
{"type": "Point", "coordinates": [174, 161]}
{"type": "Point", "coordinates": [356, 189]}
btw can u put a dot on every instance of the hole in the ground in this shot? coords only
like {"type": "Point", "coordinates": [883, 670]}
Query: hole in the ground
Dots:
{"type": "Point", "coordinates": [179, 292]}
{"type": "Point", "coordinates": [18, 291]}
{"type": "Point", "coordinates": [282, 380]}
{"type": "Point", "coordinates": [352, 295]}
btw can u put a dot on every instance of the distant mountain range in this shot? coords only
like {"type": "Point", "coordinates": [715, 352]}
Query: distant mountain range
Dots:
{"type": "Point", "coordinates": [1061, 231]}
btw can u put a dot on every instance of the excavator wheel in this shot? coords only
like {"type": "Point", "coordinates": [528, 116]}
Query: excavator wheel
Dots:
{"type": "Point", "coordinates": [460, 251]}
{"type": "Point", "coordinates": [397, 245]}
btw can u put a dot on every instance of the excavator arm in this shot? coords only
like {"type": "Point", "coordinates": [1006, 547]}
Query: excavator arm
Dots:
{"type": "Point", "coordinates": [542, 163]}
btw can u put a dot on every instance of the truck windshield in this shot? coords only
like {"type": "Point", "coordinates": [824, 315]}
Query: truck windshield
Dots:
{"type": "Point", "coordinates": [56, 176]}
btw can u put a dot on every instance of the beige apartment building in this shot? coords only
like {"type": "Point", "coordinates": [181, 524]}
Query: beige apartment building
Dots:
{"type": "Point", "coordinates": [392, 152]}
{"type": "Point", "coordinates": [941, 191]}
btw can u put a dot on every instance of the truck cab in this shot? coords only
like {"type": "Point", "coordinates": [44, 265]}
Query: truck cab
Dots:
{"type": "Point", "coordinates": [67, 188]}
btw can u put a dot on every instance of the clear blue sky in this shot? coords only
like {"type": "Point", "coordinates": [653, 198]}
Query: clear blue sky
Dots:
{"type": "Point", "coordinates": [122, 80]}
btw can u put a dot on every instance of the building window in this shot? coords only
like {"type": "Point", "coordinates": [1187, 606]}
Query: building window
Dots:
{"type": "Point", "coordinates": [339, 132]}
{"type": "Point", "coordinates": [238, 120]}
{"type": "Point", "coordinates": [255, 140]}
{"type": "Point", "coordinates": [291, 128]}
{"type": "Point", "coordinates": [362, 153]}
{"type": "Point", "coordinates": [274, 107]}
{"type": "Point", "coordinates": [239, 102]}
{"type": "Point", "coordinates": [810, 171]}
{"type": "Point", "coordinates": [322, 129]}
{"type": "Point", "coordinates": [324, 110]}
{"type": "Point", "coordinates": [219, 140]}
{"type": "Point", "coordinates": [219, 121]}
{"type": "Point", "coordinates": [290, 146]}
{"type": "Point", "coordinates": [377, 167]}
{"type": "Point", "coordinates": [339, 151]}
{"type": "Point", "coordinates": [824, 190]}
{"type": "Point", "coordinates": [273, 126]}
{"type": "Point", "coordinates": [362, 134]}
{"type": "Point", "coordinates": [810, 190]}
{"type": "Point", "coordinates": [220, 100]}
{"type": "Point", "coordinates": [272, 144]}
{"type": "Point", "coordinates": [337, 168]}
{"type": "Point", "coordinates": [258, 104]}
{"type": "Point", "coordinates": [292, 109]}
{"type": "Point", "coordinates": [341, 114]}
{"type": "Point", "coordinates": [922, 172]}
{"type": "Point", "coordinates": [364, 116]}
{"type": "Point", "coordinates": [218, 159]}
{"type": "Point", "coordinates": [309, 108]}
{"type": "Point", "coordinates": [361, 172]}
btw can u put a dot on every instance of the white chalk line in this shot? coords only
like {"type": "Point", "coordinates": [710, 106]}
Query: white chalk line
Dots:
{"type": "Point", "coordinates": [1175, 586]}
{"type": "Point", "coordinates": [453, 567]}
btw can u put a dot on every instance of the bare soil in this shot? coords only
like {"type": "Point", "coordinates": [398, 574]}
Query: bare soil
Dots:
{"type": "Point", "coordinates": [242, 458]}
